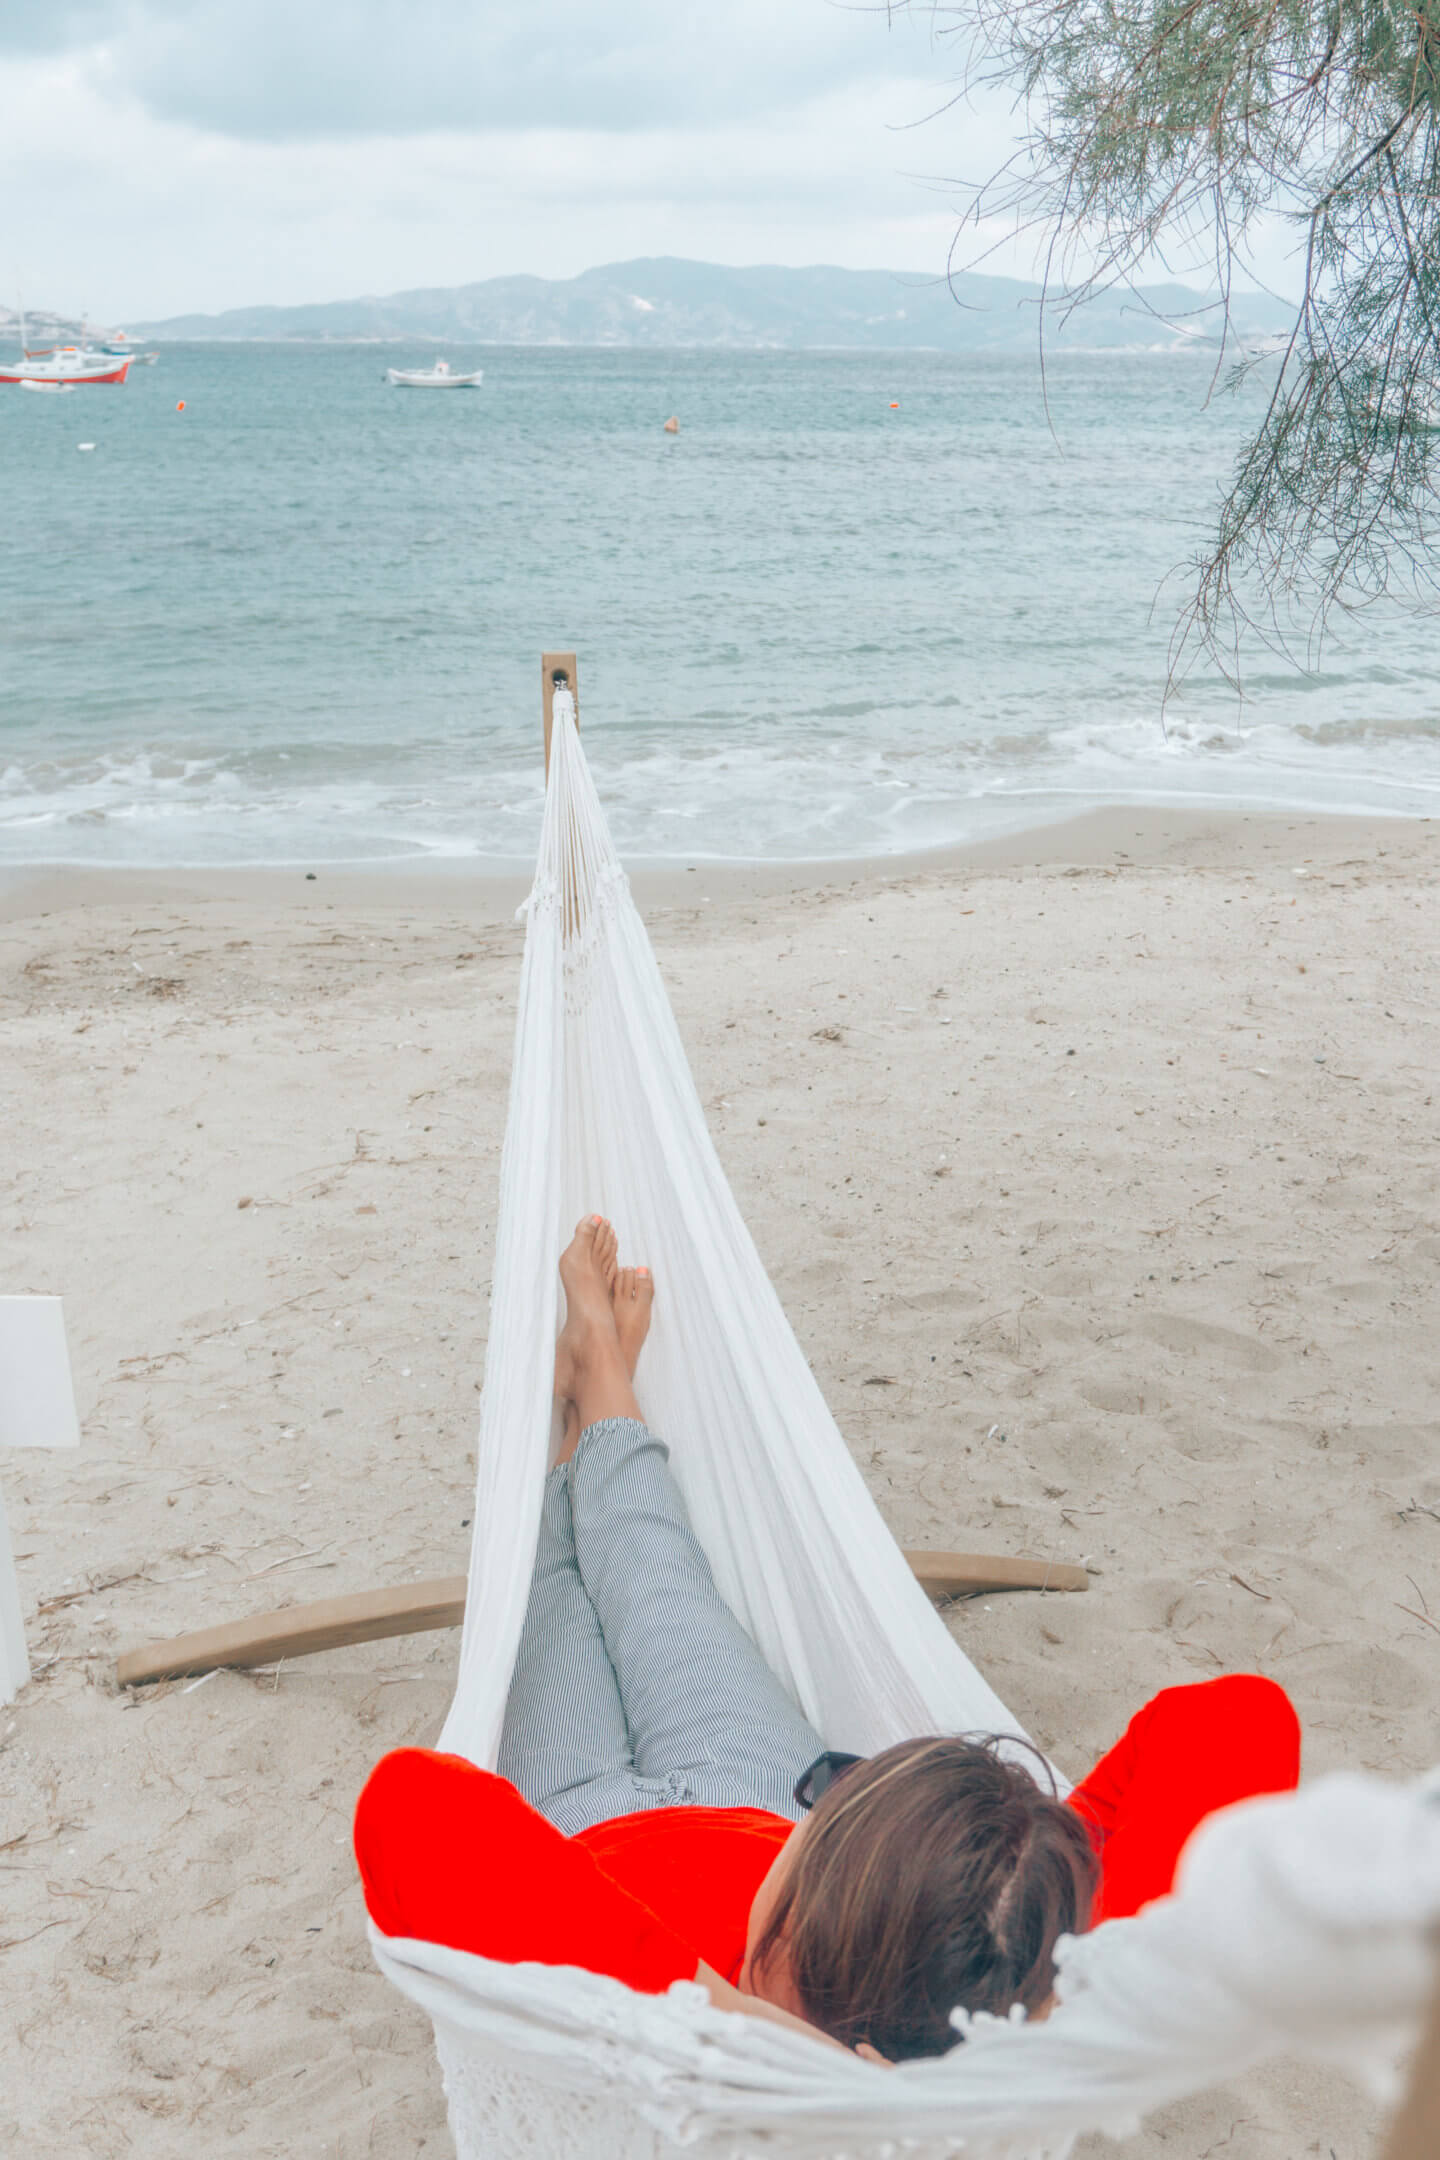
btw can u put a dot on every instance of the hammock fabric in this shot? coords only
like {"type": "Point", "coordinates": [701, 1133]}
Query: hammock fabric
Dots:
{"type": "Point", "coordinates": [1302, 1922]}
{"type": "Point", "coordinates": [604, 1116]}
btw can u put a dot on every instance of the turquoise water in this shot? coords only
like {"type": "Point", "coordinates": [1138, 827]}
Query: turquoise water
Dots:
{"type": "Point", "coordinates": [301, 620]}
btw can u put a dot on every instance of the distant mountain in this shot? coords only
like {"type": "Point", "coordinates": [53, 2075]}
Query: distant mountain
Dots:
{"type": "Point", "coordinates": [664, 301]}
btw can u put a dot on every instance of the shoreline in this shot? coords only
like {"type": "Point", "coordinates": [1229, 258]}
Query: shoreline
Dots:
{"type": "Point", "coordinates": [1115, 836]}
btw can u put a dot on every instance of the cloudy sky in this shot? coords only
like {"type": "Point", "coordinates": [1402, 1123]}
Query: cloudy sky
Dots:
{"type": "Point", "coordinates": [158, 156]}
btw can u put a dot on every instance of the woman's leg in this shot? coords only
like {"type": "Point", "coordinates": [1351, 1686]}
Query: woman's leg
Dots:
{"type": "Point", "coordinates": [565, 1743]}
{"type": "Point", "coordinates": [709, 1723]}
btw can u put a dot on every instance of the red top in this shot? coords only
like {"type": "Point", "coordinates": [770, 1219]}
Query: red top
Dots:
{"type": "Point", "coordinates": [451, 1854]}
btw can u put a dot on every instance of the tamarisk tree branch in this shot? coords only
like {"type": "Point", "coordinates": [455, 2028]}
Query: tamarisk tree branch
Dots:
{"type": "Point", "coordinates": [1152, 124]}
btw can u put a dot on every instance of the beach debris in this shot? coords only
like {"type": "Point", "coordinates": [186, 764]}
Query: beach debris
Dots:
{"type": "Point", "coordinates": [248, 1200]}
{"type": "Point", "coordinates": [672, 425]}
{"type": "Point", "coordinates": [292, 1560]}
{"type": "Point", "coordinates": [97, 1589]}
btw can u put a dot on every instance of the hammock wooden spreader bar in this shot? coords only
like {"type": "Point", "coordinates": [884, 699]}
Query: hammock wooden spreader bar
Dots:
{"type": "Point", "coordinates": [417, 1608]}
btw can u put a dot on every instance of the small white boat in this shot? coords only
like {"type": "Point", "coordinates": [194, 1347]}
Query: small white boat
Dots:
{"type": "Point", "coordinates": [439, 377]}
{"type": "Point", "coordinates": [120, 348]}
{"type": "Point", "coordinates": [43, 382]}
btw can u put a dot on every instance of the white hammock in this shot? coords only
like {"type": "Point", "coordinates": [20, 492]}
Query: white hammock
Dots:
{"type": "Point", "coordinates": [604, 1115]}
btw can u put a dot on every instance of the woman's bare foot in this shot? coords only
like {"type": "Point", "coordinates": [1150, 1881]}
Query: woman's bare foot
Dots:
{"type": "Point", "coordinates": [632, 1296]}
{"type": "Point", "coordinates": [592, 1377]}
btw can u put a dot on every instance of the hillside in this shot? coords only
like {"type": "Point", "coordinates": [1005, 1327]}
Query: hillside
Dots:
{"type": "Point", "coordinates": [664, 302]}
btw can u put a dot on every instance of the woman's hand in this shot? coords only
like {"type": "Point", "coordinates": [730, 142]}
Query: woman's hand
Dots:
{"type": "Point", "coordinates": [726, 1997]}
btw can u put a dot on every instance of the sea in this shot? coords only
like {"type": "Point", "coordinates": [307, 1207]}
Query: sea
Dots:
{"type": "Point", "coordinates": [258, 607]}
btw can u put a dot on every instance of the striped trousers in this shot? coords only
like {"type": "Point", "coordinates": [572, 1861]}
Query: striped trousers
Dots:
{"type": "Point", "coordinates": [635, 1686]}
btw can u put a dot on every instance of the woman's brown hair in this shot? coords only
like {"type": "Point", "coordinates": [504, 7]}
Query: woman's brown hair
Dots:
{"type": "Point", "coordinates": [937, 1875]}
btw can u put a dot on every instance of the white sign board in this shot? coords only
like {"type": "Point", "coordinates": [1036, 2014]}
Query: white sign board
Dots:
{"type": "Point", "coordinates": [37, 1409]}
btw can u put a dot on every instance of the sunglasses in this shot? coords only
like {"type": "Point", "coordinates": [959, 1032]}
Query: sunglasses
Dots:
{"type": "Point", "coordinates": [821, 1775]}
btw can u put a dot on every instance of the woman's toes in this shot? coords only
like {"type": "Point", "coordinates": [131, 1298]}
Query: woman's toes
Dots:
{"type": "Point", "coordinates": [607, 1251]}
{"type": "Point", "coordinates": [631, 1300]}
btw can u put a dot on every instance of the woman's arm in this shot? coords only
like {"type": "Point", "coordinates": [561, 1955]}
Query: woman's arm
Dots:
{"type": "Point", "coordinates": [1191, 1750]}
{"type": "Point", "coordinates": [452, 1854]}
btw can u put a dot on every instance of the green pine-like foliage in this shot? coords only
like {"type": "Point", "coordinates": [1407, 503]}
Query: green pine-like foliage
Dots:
{"type": "Point", "coordinates": [1151, 126]}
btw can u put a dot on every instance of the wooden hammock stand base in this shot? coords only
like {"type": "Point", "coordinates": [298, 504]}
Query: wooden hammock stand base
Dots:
{"type": "Point", "coordinates": [371, 1615]}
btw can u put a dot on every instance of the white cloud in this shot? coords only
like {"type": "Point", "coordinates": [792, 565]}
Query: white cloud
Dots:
{"type": "Point", "coordinates": [163, 156]}
{"type": "Point", "coordinates": [124, 213]}
{"type": "Point", "coordinates": [274, 70]}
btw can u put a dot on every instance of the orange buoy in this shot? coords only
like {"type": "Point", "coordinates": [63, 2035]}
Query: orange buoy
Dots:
{"type": "Point", "coordinates": [181, 406]}
{"type": "Point", "coordinates": [672, 425]}
{"type": "Point", "coordinates": [894, 407]}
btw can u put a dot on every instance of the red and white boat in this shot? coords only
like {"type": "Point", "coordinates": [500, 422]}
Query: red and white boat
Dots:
{"type": "Point", "coordinates": [68, 367]}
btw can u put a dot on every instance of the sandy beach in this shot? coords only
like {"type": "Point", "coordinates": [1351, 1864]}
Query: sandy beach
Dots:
{"type": "Point", "coordinates": [1096, 1168]}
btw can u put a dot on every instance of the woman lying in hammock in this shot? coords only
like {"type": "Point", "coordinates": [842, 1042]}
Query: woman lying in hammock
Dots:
{"type": "Point", "coordinates": [642, 1822]}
